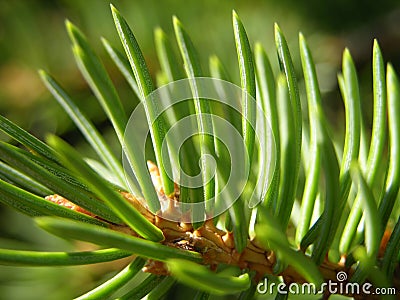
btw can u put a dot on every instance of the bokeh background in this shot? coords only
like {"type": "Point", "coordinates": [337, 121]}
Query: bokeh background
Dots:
{"type": "Point", "coordinates": [33, 36]}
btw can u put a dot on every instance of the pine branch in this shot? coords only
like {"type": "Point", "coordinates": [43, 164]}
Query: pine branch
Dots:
{"type": "Point", "coordinates": [214, 245]}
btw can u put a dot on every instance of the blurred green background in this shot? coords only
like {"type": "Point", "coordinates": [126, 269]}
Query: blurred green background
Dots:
{"type": "Point", "coordinates": [32, 36]}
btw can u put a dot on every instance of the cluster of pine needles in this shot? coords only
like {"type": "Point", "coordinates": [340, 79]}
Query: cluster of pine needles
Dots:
{"type": "Point", "coordinates": [330, 205]}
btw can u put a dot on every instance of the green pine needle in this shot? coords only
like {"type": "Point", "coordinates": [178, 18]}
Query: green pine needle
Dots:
{"type": "Point", "coordinates": [293, 139]}
{"type": "Point", "coordinates": [196, 275]}
{"type": "Point", "coordinates": [114, 200]}
{"type": "Point", "coordinates": [145, 87]}
{"type": "Point", "coordinates": [98, 79]}
{"type": "Point", "coordinates": [105, 237]}
{"type": "Point", "coordinates": [86, 127]}
{"type": "Point", "coordinates": [109, 287]}
{"type": "Point", "coordinates": [36, 258]}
